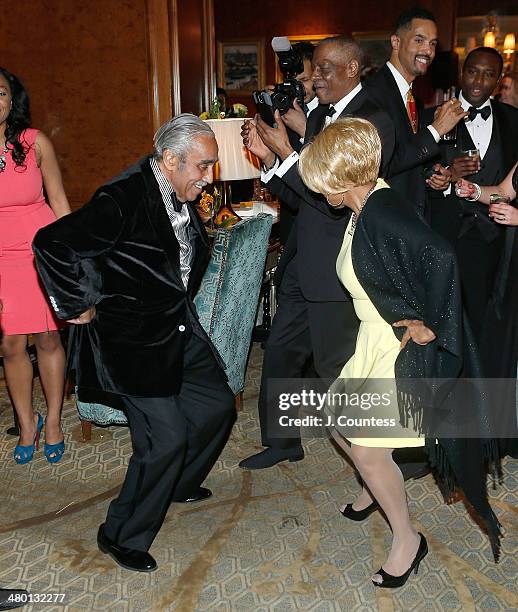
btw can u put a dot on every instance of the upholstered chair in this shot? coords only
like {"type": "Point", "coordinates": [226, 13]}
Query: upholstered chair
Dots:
{"type": "Point", "coordinates": [226, 303]}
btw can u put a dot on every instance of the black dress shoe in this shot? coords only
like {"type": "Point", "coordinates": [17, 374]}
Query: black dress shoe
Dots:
{"type": "Point", "coordinates": [359, 515]}
{"type": "Point", "coordinates": [201, 494]}
{"type": "Point", "coordinates": [128, 558]}
{"type": "Point", "coordinates": [271, 456]}
{"type": "Point", "coordinates": [8, 598]}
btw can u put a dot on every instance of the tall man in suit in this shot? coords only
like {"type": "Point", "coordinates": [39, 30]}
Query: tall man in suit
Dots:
{"type": "Point", "coordinates": [315, 317]}
{"type": "Point", "coordinates": [413, 49]}
{"type": "Point", "coordinates": [123, 269]}
{"type": "Point", "coordinates": [492, 128]}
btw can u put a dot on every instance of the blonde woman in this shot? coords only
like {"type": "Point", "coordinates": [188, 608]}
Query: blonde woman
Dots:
{"type": "Point", "coordinates": [405, 289]}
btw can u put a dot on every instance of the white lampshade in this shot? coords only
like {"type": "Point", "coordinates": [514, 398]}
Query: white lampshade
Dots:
{"type": "Point", "coordinates": [509, 43]}
{"type": "Point", "coordinates": [235, 160]}
{"type": "Point", "coordinates": [490, 40]}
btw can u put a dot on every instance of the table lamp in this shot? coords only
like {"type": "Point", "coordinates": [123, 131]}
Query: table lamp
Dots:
{"type": "Point", "coordinates": [235, 163]}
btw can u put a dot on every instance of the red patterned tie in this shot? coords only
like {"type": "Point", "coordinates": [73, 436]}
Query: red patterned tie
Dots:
{"type": "Point", "coordinates": [411, 109]}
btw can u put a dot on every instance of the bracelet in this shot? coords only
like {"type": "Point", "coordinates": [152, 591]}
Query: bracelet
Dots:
{"type": "Point", "coordinates": [478, 193]}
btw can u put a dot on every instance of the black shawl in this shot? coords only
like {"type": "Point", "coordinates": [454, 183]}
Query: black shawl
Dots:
{"type": "Point", "coordinates": [410, 272]}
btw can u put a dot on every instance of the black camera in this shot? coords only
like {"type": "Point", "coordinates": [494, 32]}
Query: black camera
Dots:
{"type": "Point", "coordinates": [283, 95]}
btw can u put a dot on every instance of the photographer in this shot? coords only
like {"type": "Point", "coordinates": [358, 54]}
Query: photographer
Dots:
{"type": "Point", "coordinates": [295, 121]}
{"type": "Point", "coordinates": [314, 318]}
{"type": "Point", "coordinates": [295, 118]}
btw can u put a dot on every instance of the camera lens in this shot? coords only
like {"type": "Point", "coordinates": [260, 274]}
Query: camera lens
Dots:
{"type": "Point", "coordinates": [282, 102]}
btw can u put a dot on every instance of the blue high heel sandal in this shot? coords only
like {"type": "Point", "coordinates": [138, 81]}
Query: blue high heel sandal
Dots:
{"type": "Point", "coordinates": [24, 454]}
{"type": "Point", "coordinates": [54, 452]}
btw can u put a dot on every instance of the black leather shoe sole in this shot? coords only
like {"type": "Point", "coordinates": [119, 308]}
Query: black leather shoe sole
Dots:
{"type": "Point", "coordinates": [268, 458]}
{"type": "Point", "coordinates": [134, 560]}
{"type": "Point", "coordinates": [200, 495]}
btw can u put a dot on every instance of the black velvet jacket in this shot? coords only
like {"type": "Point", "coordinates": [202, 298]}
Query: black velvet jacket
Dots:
{"type": "Point", "coordinates": [119, 253]}
{"type": "Point", "coordinates": [410, 272]}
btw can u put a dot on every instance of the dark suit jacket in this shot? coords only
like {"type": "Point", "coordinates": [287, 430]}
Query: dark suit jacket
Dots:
{"type": "Point", "coordinates": [119, 253]}
{"type": "Point", "coordinates": [405, 173]}
{"type": "Point", "coordinates": [316, 237]}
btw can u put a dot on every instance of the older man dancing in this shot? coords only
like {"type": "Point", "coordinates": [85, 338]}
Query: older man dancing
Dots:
{"type": "Point", "coordinates": [124, 269]}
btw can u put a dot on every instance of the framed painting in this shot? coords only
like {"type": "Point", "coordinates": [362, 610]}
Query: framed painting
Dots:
{"type": "Point", "coordinates": [295, 38]}
{"type": "Point", "coordinates": [376, 49]}
{"type": "Point", "coordinates": [241, 66]}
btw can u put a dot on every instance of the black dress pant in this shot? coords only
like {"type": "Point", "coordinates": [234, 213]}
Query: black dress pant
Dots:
{"type": "Point", "coordinates": [478, 265]}
{"type": "Point", "coordinates": [300, 330]}
{"type": "Point", "coordinates": [176, 441]}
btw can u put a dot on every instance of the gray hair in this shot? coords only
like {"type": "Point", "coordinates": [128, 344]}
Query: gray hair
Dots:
{"type": "Point", "coordinates": [178, 135]}
{"type": "Point", "coordinates": [347, 45]}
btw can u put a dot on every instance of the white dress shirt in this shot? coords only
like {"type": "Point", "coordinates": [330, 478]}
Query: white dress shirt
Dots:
{"type": "Point", "coordinates": [479, 129]}
{"type": "Point", "coordinates": [403, 87]}
{"type": "Point", "coordinates": [293, 158]}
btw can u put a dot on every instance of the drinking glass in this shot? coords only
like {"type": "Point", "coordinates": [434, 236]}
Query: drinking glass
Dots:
{"type": "Point", "coordinates": [451, 136]}
{"type": "Point", "coordinates": [474, 153]}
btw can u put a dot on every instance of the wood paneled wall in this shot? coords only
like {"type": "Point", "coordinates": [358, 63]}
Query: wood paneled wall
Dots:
{"type": "Point", "coordinates": [482, 7]}
{"type": "Point", "coordinates": [103, 75]}
{"type": "Point", "coordinates": [85, 66]}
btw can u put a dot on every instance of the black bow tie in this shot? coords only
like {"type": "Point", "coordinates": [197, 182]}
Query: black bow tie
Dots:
{"type": "Point", "coordinates": [483, 112]}
{"type": "Point", "coordinates": [176, 205]}
{"type": "Point", "coordinates": [330, 111]}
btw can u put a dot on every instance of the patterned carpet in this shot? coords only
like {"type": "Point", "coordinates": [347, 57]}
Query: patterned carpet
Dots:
{"type": "Point", "coordinates": [269, 540]}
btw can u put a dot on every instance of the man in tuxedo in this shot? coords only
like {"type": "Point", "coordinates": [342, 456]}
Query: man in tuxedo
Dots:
{"type": "Point", "coordinates": [491, 128]}
{"type": "Point", "coordinates": [414, 43]}
{"type": "Point", "coordinates": [315, 317]}
{"type": "Point", "coordinates": [123, 269]}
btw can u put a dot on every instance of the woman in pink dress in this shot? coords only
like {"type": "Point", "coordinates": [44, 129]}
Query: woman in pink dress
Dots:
{"type": "Point", "coordinates": [27, 163]}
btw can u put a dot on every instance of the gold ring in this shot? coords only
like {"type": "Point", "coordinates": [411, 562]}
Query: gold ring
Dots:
{"type": "Point", "coordinates": [452, 101]}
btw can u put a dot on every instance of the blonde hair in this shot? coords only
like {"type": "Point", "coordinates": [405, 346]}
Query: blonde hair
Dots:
{"type": "Point", "coordinates": [347, 152]}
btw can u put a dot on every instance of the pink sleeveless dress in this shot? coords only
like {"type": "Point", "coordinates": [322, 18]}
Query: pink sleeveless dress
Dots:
{"type": "Point", "coordinates": [23, 211]}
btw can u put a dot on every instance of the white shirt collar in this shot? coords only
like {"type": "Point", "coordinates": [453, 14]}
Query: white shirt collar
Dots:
{"type": "Point", "coordinates": [465, 104]}
{"type": "Point", "coordinates": [341, 104]}
{"type": "Point", "coordinates": [401, 82]}
{"type": "Point", "coordinates": [312, 105]}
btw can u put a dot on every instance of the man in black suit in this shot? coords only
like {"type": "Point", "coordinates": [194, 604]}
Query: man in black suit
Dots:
{"type": "Point", "coordinates": [491, 128]}
{"type": "Point", "coordinates": [413, 48]}
{"type": "Point", "coordinates": [315, 317]}
{"type": "Point", "coordinates": [123, 269]}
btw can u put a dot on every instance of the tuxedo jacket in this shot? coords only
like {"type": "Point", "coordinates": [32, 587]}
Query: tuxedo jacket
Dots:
{"type": "Point", "coordinates": [317, 234]}
{"type": "Point", "coordinates": [448, 214]}
{"type": "Point", "coordinates": [405, 172]}
{"type": "Point", "coordinates": [119, 253]}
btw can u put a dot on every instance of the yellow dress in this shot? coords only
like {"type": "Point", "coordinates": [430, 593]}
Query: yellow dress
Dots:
{"type": "Point", "coordinates": [375, 354]}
